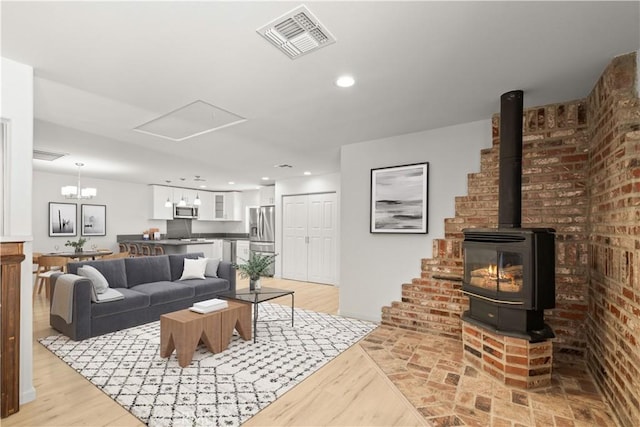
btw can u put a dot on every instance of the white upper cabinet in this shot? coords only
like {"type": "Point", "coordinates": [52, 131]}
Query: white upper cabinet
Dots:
{"type": "Point", "coordinates": [206, 210]}
{"type": "Point", "coordinates": [214, 206]}
{"type": "Point", "coordinates": [233, 206]}
{"type": "Point", "coordinates": [159, 197]}
{"type": "Point", "coordinates": [227, 206]}
{"type": "Point", "coordinates": [267, 195]}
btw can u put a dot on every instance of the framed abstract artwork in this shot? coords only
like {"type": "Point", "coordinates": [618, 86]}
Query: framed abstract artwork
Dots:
{"type": "Point", "coordinates": [399, 199]}
{"type": "Point", "coordinates": [94, 220]}
{"type": "Point", "coordinates": [62, 219]}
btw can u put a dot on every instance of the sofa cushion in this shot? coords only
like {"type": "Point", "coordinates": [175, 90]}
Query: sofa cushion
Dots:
{"type": "Point", "coordinates": [209, 285]}
{"type": "Point", "coordinates": [99, 282]}
{"type": "Point", "coordinates": [176, 263]}
{"type": "Point", "coordinates": [132, 301]}
{"type": "Point", "coordinates": [113, 270]}
{"type": "Point", "coordinates": [164, 292]}
{"type": "Point", "coordinates": [147, 269]}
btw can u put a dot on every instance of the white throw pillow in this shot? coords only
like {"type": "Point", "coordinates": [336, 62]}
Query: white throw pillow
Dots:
{"type": "Point", "coordinates": [194, 268]}
{"type": "Point", "coordinates": [99, 282]}
{"type": "Point", "coordinates": [212, 267]}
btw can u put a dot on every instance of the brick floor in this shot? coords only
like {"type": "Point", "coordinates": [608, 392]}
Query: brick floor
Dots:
{"type": "Point", "coordinates": [430, 371]}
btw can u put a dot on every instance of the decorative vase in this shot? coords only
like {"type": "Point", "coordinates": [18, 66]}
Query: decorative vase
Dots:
{"type": "Point", "coordinates": [79, 250]}
{"type": "Point", "coordinates": [254, 284]}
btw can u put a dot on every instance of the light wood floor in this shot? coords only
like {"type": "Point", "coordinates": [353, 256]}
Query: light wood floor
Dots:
{"type": "Point", "coordinates": [348, 391]}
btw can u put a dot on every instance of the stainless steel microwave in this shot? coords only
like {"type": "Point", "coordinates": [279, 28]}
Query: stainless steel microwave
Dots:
{"type": "Point", "coordinates": [185, 211]}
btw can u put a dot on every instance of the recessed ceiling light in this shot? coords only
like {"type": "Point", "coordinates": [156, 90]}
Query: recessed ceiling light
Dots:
{"type": "Point", "coordinates": [231, 183]}
{"type": "Point", "coordinates": [203, 186]}
{"type": "Point", "coordinates": [265, 178]}
{"type": "Point", "coordinates": [307, 173]}
{"type": "Point", "coordinates": [345, 81]}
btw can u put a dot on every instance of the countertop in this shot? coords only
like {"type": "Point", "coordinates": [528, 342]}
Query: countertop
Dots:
{"type": "Point", "coordinates": [171, 242]}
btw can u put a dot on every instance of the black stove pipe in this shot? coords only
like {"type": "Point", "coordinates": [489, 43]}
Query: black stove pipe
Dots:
{"type": "Point", "coordinates": [510, 185]}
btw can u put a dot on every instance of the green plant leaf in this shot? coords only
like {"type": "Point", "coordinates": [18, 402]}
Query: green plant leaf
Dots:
{"type": "Point", "coordinates": [256, 266]}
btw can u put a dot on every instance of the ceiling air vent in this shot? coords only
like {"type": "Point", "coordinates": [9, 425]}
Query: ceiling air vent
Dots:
{"type": "Point", "coordinates": [297, 33]}
{"type": "Point", "coordinates": [48, 156]}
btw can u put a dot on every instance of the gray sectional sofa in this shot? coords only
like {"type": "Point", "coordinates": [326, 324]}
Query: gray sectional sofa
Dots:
{"type": "Point", "coordinates": [150, 286]}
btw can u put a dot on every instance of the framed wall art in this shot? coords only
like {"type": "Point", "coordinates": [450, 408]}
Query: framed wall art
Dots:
{"type": "Point", "coordinates": [94, 220]}
{"type": "Point", "coordinates": [399, 199]}
{"type": "Point", "coordinates": [62, 219]}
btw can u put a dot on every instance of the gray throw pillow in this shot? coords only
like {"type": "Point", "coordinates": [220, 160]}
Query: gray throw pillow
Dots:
{"type": "Point", "coordinates": [212, 267]}
{"type": "Point", "coordinates": [100, 284]}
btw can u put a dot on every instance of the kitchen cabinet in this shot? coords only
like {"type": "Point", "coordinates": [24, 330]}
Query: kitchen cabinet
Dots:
{"type": "Point", "coordinates": [216, 249]}
{"type": "Point", "coordinates": [214, 206]}
{"type": "Point", "coordinates": [267, 195]}
{"type": "Point", "coordinates": [233, 206]}
{"type": "Point", "coordinates": [159, 196]}
{"type": "Point", "coordinates": [206, 249]}
{"type": "Point", "coordinates": [206, 211]}
{"type": "Point", "coordinates": [227, 206]}
{"type": "Point", "coordinates": [242, 251]}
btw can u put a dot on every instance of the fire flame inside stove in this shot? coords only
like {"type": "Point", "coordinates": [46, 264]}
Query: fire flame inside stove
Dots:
{"type": "Point", "coordinates": [494, 272]}
{"type": "Point", "coordinates": [492, 277]}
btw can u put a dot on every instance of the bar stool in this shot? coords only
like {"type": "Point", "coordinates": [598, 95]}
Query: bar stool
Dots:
{"type": "Point", "coordinates": [47, 265]}
{"type": "Point", "coordinates": [158, 250]}
{"type": "Point", "coordinates": [134, 250]}
{"type": "Point", "coordinates": [146, 250]}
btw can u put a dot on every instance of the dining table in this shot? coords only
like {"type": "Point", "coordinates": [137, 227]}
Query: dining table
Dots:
{"type": "Point", "coordinates": [80, 255]}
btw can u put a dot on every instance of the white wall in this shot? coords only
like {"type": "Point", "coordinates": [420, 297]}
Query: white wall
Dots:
{"type": "Point", "coordinates": [329, 183]}
{"type": "Point", "coordinates": [17, 106]}
{"type": "Point", "coordinates": [128, 209]}
{"type": "Point", "coordinates": [374, 266]}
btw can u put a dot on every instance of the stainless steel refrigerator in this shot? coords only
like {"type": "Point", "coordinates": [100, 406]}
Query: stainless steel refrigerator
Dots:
{"type": "Point", "coordinates": [262, 228]}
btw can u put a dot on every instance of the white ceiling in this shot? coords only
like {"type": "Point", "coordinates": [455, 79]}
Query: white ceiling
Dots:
{"type": "Point", "coordinates": [104, 68]}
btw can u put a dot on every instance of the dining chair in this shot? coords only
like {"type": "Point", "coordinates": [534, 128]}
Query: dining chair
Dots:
{"type": "Point", "coordinates": [34, 259]}
{"type": "Point", "coordinates": [146, 250]}
{"type": "Point", "coordinates": [116, 255]}
{"type": "Point", "coordinates": [48, 265]}
{"type": "Point", "coordinates": [122, 247]}
{"type": "Point", "coordinates": [158, 250]}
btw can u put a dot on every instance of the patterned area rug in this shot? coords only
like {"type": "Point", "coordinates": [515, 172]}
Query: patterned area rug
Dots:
{"type": "Point", "coordinates": [222, 389]}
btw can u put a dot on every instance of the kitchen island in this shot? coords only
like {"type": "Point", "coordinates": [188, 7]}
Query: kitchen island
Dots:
{"type": "Point", "coordinates": [211, 248]}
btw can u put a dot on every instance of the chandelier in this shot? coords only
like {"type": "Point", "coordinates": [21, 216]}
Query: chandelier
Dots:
{"type": "Point", "coordinates": [77, 192]}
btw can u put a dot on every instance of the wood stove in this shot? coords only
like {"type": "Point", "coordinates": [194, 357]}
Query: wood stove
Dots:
{"type": "Point", "coordinates": [509, 272]}
{"type": "Point", "coordinates": [510, 279]}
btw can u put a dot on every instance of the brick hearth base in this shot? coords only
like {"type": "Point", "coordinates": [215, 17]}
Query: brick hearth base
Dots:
{"type": "Point", "coordinates": [515, 362]}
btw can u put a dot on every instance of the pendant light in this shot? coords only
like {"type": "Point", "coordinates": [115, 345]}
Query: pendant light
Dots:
{"type": "Point", "coordinates": [76, 191]}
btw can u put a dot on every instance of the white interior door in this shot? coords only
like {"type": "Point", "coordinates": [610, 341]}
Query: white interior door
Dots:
{"type": "Point", "coordinates": [310, 238]}
{"type": "Point", "coordinates": [294, 242]}
{"type": "Point", "coordinates": [321, 257]}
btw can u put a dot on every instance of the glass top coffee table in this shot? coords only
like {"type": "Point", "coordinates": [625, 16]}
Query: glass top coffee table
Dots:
{"type": "Point", "coordinates": [256, 297]}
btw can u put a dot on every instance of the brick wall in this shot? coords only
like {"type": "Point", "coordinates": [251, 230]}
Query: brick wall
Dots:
{"type": "Point", "coordinates": [614, 244]}
{"type": "Point", "coordinates": [555, 144]}
{"type": "Point", "coordinates": [581, 176]}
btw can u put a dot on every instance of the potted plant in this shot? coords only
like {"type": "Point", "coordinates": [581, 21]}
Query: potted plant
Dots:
{"type": "Point", "coordinates": [255, 267]}
{"type": "Point", "coordinates": [77, 246]}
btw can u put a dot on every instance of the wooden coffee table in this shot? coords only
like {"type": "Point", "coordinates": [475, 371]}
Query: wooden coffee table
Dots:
{"type": "Point", "coordinates": [183, 330]}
